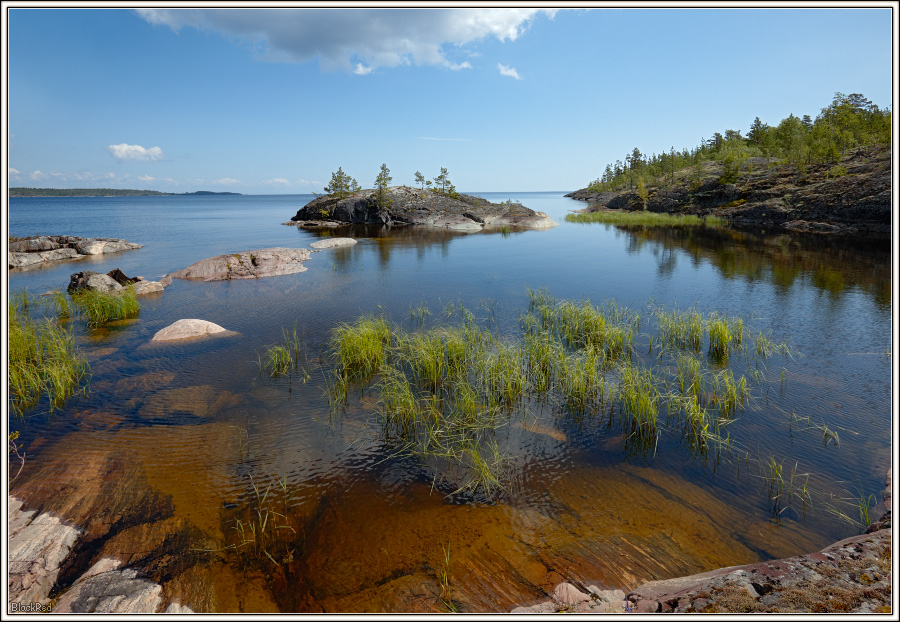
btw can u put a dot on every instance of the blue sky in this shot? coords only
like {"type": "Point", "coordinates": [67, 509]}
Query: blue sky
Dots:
{"type": "Point", "coordinates": [272, 102]}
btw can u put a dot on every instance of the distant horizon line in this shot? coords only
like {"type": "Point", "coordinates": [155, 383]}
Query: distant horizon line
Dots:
{"type": "Point", "coordinates": [223, 192]}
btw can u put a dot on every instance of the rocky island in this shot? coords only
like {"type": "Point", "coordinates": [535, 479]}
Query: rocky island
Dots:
{"type": "Point", "coordinates": [402, 206]}
{"type": "Point", "coordinates": [853, 197]}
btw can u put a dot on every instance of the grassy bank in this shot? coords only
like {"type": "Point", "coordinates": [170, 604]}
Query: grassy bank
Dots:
{"type": "Point", "coordinates": [645, 219]}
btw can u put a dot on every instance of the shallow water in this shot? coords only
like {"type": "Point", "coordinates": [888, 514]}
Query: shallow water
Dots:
{"type": "Point", "coordinates": [179, 443]}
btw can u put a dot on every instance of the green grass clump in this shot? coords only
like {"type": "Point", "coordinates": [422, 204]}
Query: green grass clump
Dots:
{"type": "Point", "coordinates": [362, 347]}
{"type": "Point", "coordinates": [680, 329]}
{"type": "Point", "coordinates": [285, 359]}
{"type": "Point", "coordinates": [99, 308]}
{"type": "Point", "coordinates": [43, 359]}
{"type": "Point", "coordinates": [725, 335]}
{"type": "Point", "coordinates": [645, 219]}
{"type": "Point", "coordinates": [639, 401]}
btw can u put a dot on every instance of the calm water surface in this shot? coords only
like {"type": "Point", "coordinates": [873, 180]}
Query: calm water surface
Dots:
{"type": "Point", "coordinates": [176, 447]}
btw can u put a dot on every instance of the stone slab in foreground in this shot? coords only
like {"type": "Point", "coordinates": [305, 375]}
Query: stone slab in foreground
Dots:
{"type": "Point", "coordinates": [247, 265]}
{"type": "Point", "coordinates": [39, 544]}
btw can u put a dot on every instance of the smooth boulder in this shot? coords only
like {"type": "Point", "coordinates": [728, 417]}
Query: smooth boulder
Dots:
{"type": "Point", "coordinates": [246, 265]}
{"type": "Point", "coordinates": [332, 243]}
{"type": "Point", "coordinates": [187, 329]}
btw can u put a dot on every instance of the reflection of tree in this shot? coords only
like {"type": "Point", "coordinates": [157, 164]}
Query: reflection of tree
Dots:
{"type": "Point", "coordinates": [667, 259]}
{"type": "Point", "coordinates": [387, 239]}
{"type": "Point", "coordinates": [833, 265]}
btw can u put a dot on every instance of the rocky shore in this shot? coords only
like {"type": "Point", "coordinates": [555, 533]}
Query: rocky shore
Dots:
{"type": "Point", "coordinates": [850, 576]}
{"type": "Point", "coordinates": [37, 250]}
{"type": "Point", "coordinates": [853, 197]}
{"type": "Point", "coordinates": [410, 206]}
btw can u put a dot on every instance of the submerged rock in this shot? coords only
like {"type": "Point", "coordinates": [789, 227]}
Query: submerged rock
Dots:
{"type": "Point", "coordinates": [49, 248]}
{"type": "Point", "coordinates": [187, 329]}
{"type": "Point", "coordinates": [410, 206]}
{"type": "Point", "coordinates": [332, 243]}
{"type": "Point", "coordinates": [246, 265]}
{"type": "Point", "coordinates": [200, 401]}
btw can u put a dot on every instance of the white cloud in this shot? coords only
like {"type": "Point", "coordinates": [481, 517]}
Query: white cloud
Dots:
{"type": "Point", "coordinates": [125, 151]}
{"type": "Point", "coordinates": [357, 40]}
{"type": "Point", "coordinates": [508, 71]}
{"type": "Point", "coordinates": [12, 171]}
{"type": "Point", "coordinates": [304, 182]}
{"type": "Point", "coordinates": [227, 181]}
{"type": "Point", "coordinates": [149, 179]}
{"type": "Point", "coordinates": [38, 176]}
{"type": "Point", "coordinates": [278, 181]}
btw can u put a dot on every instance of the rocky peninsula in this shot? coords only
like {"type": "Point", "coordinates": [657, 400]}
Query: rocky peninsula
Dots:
{"type": "Point", "coordinates": [403, 206]}
{"type": "Point", "coordinates": [852, 197]}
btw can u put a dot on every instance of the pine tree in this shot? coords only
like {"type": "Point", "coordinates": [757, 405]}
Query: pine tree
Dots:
{"type": "Point", "coordinates": [420, 179]}
{"type": "Point", "coordinates": [382, 182]}
{"type": "Point", "coordinates": [341, 184]}
{"type": "Point", "coordinates": [442, 181]}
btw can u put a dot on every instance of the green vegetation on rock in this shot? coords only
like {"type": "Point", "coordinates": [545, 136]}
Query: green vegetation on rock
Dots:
{"type": "Point", "coordinates": [849, 121]}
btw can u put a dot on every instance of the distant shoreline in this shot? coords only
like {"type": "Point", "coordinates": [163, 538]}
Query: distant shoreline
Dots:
{"type": "Point", "coordinates": [103, 192]}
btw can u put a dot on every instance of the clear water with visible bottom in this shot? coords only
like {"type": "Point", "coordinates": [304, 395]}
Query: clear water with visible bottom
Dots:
{"type": "Point", "coordinates": [179, 452]}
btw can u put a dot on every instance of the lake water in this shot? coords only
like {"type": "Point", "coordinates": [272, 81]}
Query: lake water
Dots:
{"type": "Point", "coordinates": [177, 450]}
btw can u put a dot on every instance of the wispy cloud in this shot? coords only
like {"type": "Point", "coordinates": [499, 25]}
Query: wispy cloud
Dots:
{"type": "Point", "coordinates": [38, 176]}
{"type": "Point", "coordinates": [125, 151]}
{"type": "Point", "coordinates": [149, 179]}
{"type": "Point", "coordinates": [227, 181]}
{"type": "Point", "coordinates": [304, 182]}
{"type": "Point", "coordinates": [277, 181]}
{"type": "Point", "coordinates": [12, 171]}
{"type": "Point", "coordinates": [508, 71]}
{"type": "Point", "coordinates": [461, 140]}
{"type": "Point", "coordinates": [357, 40]}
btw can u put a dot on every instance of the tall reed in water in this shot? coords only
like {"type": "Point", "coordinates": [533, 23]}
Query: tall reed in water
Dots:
{"type": "Point", "coordinates": [43, 359]}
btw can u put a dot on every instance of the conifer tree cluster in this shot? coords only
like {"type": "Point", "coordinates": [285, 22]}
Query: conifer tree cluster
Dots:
{"type": "Point", "coordinates": [849, 121]}
{"type": "Point", "coordinates": [342, 184]}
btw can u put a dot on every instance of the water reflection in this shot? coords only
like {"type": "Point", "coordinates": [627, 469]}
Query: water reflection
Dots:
{"type": "Point", "coordinates": [831, 264]}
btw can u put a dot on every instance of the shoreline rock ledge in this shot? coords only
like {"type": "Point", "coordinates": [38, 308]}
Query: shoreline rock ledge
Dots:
{"type": "Point", "coordinates": [850, 576]}
{"type": "Point", "coordinates": [411, 206]}
{"type": "Point", "coordinates": [41, 249]}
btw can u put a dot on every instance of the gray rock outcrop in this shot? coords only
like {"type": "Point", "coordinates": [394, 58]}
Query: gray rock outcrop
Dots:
{"type": "Point", "coordinates": [38, 545]}
{"type": "Point", "coordinates": [49, 248]}
{"type": "Point", "coordinates": [89, 280]}
{"type": "Point", "coordinates": [246, 265]}
{"type": "Point", "coordinates": [411, 206]}
{"type": "Point", "coordinates": [113, 281]}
